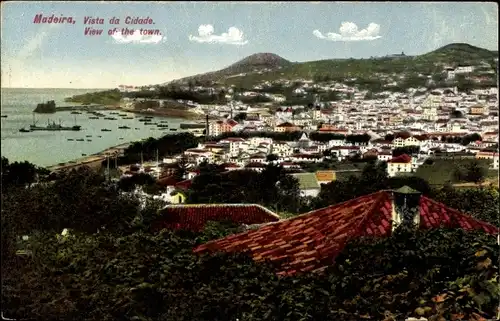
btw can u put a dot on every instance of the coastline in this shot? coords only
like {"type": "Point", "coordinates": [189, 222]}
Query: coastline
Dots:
{"type": "Point", "coordinates": [93, 160]}
{"type": "Point", "coordinates": [164, 112]}
{"type": "Point", "coordinates": [176, 113]}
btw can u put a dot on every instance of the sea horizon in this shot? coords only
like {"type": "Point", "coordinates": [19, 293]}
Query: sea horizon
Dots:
{"type": "Point", "coordinates": [62, 88]}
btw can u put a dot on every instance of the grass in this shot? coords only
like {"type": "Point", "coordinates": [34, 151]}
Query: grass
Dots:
{"type": "Point", "coordinates": [108, 97]}
{"type": "Point", "coordinates": [442, 170]}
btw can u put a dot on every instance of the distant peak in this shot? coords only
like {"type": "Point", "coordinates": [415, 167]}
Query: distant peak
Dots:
{"type": "Point", "coordinates": [262, 59]}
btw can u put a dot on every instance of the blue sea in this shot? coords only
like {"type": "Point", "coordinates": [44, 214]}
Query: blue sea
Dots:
{"type": "Point", "coordinates": [46, 148]}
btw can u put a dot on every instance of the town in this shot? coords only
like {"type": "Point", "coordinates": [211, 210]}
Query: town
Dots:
{"type": "Point", "coordinates": [323, 188]}
{"type": "Point", "coordinates": [411, 131]}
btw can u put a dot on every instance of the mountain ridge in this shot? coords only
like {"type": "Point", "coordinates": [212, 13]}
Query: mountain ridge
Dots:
{"type": "Point", "coordinates": [260, 65]}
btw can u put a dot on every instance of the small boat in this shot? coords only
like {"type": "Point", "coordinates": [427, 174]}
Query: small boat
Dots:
{"type": "Point", "coordinates": [137, 128]}
{"type": "Point", "coordinates": [84, 154]}
{"type": "Point", "coordinates": [80, 139]}
{"type": "Point", "coordinates": [164, 121]}
{"type": "Point", "coordinates": [127, 117]}
{"type": "Point", "coordinates": [99, 136]}
{"type": "Point", "coordinates": [24, 130]}
{"type": "Point", "coordinates": [113, 113]}
{"type": "Point", "coordinates": [120, 138]}
{"type": "Point", "coordinates": [110, 118]}
{"type": "Point", "coordinates": [93, 117]}
{"type": "Point", "coordinates": [148, 123]}
{"type": "Point", "coordinates": [148, 117]}
{"type": "Point", "coordinates": [70, 139]}
{"type": "Point", "coordinates": [143, 119]}
{"type": "Point", "coordinates": [88, 136]}
{"type": "Point", "coordinates": [89, 140]}
{"type": "Point", "coordinates": [124, 127]}
{"type": "Point", "coordinates": [173, 129]}
{"type": "Point", "coordinates": [75, 113]}
{"type": "Point", "coordinates": [105, 130]}
{"type": "Point", "coordinates": [4, 116]}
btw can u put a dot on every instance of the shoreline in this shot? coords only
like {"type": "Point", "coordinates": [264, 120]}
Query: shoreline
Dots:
{"type": "Point", "coordinates": [90, 159]}
{"type": "Point", "coordinates": [167, 112]}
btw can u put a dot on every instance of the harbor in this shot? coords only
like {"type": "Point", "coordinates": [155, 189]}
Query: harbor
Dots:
{"type": "Point", "coordinates": [92, 161]}
{"type": "Point", "coordinates": [47, 148]}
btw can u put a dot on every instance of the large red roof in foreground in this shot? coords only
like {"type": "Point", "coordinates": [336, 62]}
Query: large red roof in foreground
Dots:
{"type": "Point", "coordinates": [193, 217]}
{"type": "Point", "coordinates": [310, 242]}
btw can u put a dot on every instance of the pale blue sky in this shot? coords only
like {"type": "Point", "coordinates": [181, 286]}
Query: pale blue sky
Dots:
{"type": "Point", "coordinates": [61, 56]}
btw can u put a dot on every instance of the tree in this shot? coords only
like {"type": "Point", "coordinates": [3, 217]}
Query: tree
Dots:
{"type": "Point", "coordinates": [475, 172]}
{"type": "Point", "coordinates": [181, 170]}
{"type": "Point", "coordinates": [20, 173]}
{"type": "Point", "coordinates": [408, 150]}
{"type": "Point", "coordinates": [272, 157]}
{"type": "Point", "coordinates": [240, 117]}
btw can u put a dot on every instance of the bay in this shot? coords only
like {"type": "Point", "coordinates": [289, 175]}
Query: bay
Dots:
{"type": "Point", "coordinates": [46, 148]}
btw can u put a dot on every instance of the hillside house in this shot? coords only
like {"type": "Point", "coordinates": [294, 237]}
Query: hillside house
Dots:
{"type": "Point", "coordinates": [308, 184]}
{"type": "Point", "coordinates": [400, 164]}
{"type": "Point", "coordinates": [221, 126]}
{"type": "Point", "coordinates": [493, 156]}
{"type": "Point", "coordinates": [286, 127]}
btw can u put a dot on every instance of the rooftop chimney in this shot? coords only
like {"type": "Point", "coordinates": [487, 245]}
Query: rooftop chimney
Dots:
{"type": "Point", "coordinates": [405, 207]}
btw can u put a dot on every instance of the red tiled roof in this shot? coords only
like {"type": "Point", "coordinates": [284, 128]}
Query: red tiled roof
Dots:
{"type": "Point", "coordinates": [401, 159]}
{"type": "Point", "coordinates": [194, 217]}
{"type": "Point", "coordinates": [434, 214]}
{"type": "Point", "coordinates": [310, 242]}
{"type": "Point", "coordinates": [230, 165]}
{"type": "Point", "coordinates": [167, 181]}
{"type": "Point", "coordinates": [255, 165]}
{"type": "Point", "coordinates": [233, 139]}
{"type": "Point", "coordinates": [286, 124]}
{"type": "Point", "coordinates": [186, 184]}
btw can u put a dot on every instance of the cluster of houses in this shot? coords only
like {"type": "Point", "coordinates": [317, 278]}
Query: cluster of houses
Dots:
{"type": "Point", "coordinates": [235, 153]}
{"type": "Point", "coordinates": [441, 110]}
{"type": "Point", "coordinates": [425, 116]}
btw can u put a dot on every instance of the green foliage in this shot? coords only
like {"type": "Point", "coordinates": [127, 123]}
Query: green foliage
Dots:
{"type": "Point", "coordinates": [481, 203]}
{"type": "Point", "coordinates": [451, 169]}
{"type": "Point", "coordinates": [167, 145]}
{"type": "Point", "coordinates": [174, 92]}
{"type": "Point", "coordinates": [156, 277]}
{"type": "Point", "coordinates": [240, 117]}
{"type": "Point", "coordinates": [272, 188]}
{"type": "Point", "coordinates": [20, 174]}
{"type": "Point", "coordinates": [254, 99]}
{"type": "Point", "coordinates": [408, 150]}
{"type": "Point", "coordinates": [107, 97]}
{"type": "Point", "coordinates": [80, 199]}
{"type": "Point", "coordinates": [110, 267]}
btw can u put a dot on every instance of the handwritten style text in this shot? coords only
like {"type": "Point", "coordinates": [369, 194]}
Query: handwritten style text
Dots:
{"type": "Point", "coordinates": [39, 18]}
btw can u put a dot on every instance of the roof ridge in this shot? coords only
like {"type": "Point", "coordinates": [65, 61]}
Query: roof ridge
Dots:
{"type": "Point", "coordinates": [338, 204]}
{"type": "Point", "coordinates": [365, 218]}
{"type": "Point", "coordinates": [224, 205]}
{"type": "Point", "coordinates": [459, 213]}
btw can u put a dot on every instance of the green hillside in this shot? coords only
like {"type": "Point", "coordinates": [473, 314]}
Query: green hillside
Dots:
{"type": "Point", "coordinates": [366, 69]}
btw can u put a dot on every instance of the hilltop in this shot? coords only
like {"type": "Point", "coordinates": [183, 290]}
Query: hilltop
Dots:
{"type": "Point", "coordinates": [268, 66]}
{"type": "Point", "coordinates": [460, 49]}
{"type": "Point", "coordinates": [255, 63]}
